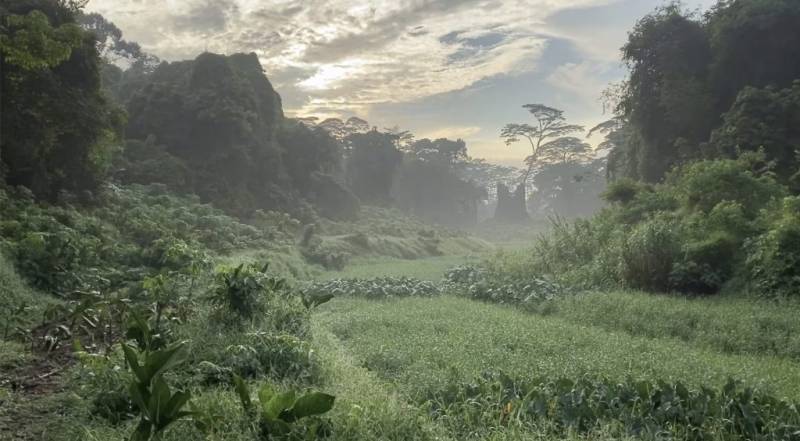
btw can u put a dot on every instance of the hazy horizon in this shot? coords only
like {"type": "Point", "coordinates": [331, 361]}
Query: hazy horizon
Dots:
{"type": "Point", "coordinates": [456, 69]}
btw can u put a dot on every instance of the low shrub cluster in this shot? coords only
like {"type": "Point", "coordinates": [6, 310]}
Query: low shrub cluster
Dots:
{"type": "Point", "coordinates": [251, 325]}
{"type": "Point", "coordinates": [710, 224]}
{"type": "Point", "coordinates": [486, 284]}
{"type": "Point", "coordinates": [642, 409]}
{"type": "Point", "coordinates": [135, 231]}
{"type": "Point", "coordinates": [377, 288]}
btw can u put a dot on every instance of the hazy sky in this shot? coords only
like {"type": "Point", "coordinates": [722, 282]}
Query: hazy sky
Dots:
{"type": "Point", "coordinates": [446, 68]}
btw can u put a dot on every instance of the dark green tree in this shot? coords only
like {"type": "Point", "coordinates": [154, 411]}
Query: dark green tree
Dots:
{"type": "Point", "coordinates": [754, 43]}
{"type": "Point", "coordinates": [371, 166]}
{"type": "Point", "coordinates": [666, 99]}
{"type": "Point", "coordinates": [59, 131]}
{"type": "Point", "coordinates": [764, 119]}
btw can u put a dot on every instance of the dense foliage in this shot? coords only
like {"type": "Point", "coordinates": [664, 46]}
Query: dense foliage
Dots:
{"type": "Point", "coordinates": [377, 288]}
{"type": "Point", "coordinates": [711, 223]}
{"type": "Point", "coordinates": [643, 409]}
{"type": "Point", "coordinates": [59, 129]}
{"type": "Point", "coordinates": [686, 72]}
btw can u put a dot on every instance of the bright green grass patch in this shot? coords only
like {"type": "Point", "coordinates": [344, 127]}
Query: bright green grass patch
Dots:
{"type": "Point", "coordinates": [424, 344]}
{"type": "Point", "coordinates": [364, 408]}
{"type": "Point", "coordinates": [732, 325]}
{"type": "Point", "coordinates": [430, 268]}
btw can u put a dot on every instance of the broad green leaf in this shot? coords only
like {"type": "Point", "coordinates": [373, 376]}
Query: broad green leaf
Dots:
{"type": "Point", "coordinates": [314, 403]}
{"type": "Point", "coordinates": [265, 395]}
{"type": "Point", "coordinates": [133, 361]}
{"type": "Point", "coordinates": [279, 403]}
{"type": "Point", "coordinates": [243, 391]}
{"type": "Point", "coordinates": [159, 397]}
{"type": "Point", "coordinates": [140, 396]}
{"type": "Point", "coordinates": [176, 403]}
{"type": "Point", "coordinates": [161, 361]}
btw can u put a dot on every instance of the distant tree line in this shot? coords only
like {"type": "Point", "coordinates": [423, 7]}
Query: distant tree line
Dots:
{"type": "Point", "coordinates": [82, 106]}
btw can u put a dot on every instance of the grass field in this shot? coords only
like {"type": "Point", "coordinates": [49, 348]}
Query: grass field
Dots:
{"type": "Point", "coordinates": [446, 337]}
{"type": "Point", "coordinates": [408, 351]}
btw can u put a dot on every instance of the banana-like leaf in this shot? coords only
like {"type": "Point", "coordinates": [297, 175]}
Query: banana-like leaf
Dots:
{"type": "Point", "coordinates": [161, 361]}
{"type": "Point", "coordinates": [159, 397]}
{"type": "Point", "coordinates": [172, 410]}
{"type": "Point", "coordinates": [265, 394]}
{"type": "Point", "coordinates": [314, 403]}
{"type": "Point", "coordinates": [132, 358]}
{"type": "Point", "coordinates": [278, 404]}
{"type": "Point", "coordinates": [243, 391]}
{"type": "Point", "coordinates": [140, 396]}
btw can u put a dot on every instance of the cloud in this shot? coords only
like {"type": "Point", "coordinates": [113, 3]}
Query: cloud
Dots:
{"type": "Point", "coordinates": [456, 132]}
{"type": "Point", "coordinates": [354, 55]}
{"type": "Point", "coordinates": [462, 63]}
{"type": "Point", "coordinates": [584, 80]}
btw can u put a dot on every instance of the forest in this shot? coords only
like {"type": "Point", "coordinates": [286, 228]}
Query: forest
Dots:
{"type": "Point", "coordinates": [183, 258]}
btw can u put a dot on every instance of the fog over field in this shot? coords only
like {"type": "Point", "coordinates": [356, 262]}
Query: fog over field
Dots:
{"type": "Point", "coordinates": [425, 220]}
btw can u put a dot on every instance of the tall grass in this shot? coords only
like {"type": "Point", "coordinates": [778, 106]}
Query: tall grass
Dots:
{"type": "Point", "coordinates": [726, 324]}
{"type": "Point", "coordinates": [421, 345]}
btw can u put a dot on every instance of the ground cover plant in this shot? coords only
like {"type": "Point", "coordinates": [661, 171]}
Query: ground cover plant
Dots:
{"type": "Point", "coordinates": [446, 350]}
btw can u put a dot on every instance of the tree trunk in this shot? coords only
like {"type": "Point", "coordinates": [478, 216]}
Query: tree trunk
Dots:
{"type": "Point", "coordinates": [511, 207]}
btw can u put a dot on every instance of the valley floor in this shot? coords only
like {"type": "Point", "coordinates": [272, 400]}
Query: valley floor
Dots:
{"type": "Point", "coordinates": [398, 365]}
{"type": "Point", "coordinates": [405, 352]}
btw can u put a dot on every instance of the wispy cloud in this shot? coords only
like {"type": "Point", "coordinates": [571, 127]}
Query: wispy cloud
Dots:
{"type": "Point", "coordinates": [447, 64]}
{"type": "Point", "coordinates": [349, 54]}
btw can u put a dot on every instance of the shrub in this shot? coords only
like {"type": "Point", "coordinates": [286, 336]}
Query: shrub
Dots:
{"type": "Point", "coordinates": [705, 265]}
{"type": "Point", "coordinates": [283, 414]}
{"type": "Point", "coordinates": [773, 258]}
{"type": "Point", "coordinates": [649, 252]}
{"type": "Point", "coordinates": [623, 191]}
{"type": "Point", "coordinates": [704, 184]}
{"type": "Point", "coordinates": [242, 290]}
{"type": "Point", "coordinates": [500, 287]}
{"type": "Point", "coordinates": [377, 288]}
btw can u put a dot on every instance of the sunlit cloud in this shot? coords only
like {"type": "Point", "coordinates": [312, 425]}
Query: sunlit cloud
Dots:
{"type": "Point", "coordinates": [343, 58]}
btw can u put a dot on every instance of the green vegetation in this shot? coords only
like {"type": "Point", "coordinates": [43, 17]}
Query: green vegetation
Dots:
{"type": "Point", "coordinates": [171, 243]}
{"type": "Point", "coordinates": [448, 343]}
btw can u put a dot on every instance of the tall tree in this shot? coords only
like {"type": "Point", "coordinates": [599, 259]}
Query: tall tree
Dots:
{"type": "Point", "coordinates": [58, 129]}
{"type": "Point", "coordinates": [547, 138]}
{"type": "Point", "coordinates": [547, 134]}
{"type": "Point", "coordinates": [372, 164]}
{"type": "Point", "coordinates": [666, 98]}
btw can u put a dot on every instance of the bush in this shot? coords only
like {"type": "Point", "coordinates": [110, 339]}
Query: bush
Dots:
{"type": "Point", "coordinates": [243, 290]}
{"type": "Point", "coordinates": [377, 288]}
{"type": "Point", "coordinates": [704, 184]}
{"type": "Point", "coordinates": [489, 285]}
{"type": "Point", "coordinates": [649, 252]}
{"type": "Point", "coordinates": [773, 258]}
{"type": "Point", "coordinates": [685, 235]}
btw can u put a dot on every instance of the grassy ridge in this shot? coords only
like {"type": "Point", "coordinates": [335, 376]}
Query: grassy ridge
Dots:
{"type": "Point", "coordinates": [731, 325]}
{"type": "Point", "coordinates": [447, 338]}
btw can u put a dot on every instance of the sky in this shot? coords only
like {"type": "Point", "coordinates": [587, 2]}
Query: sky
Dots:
{"type": "Point", "coordinates": [439, 68]}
